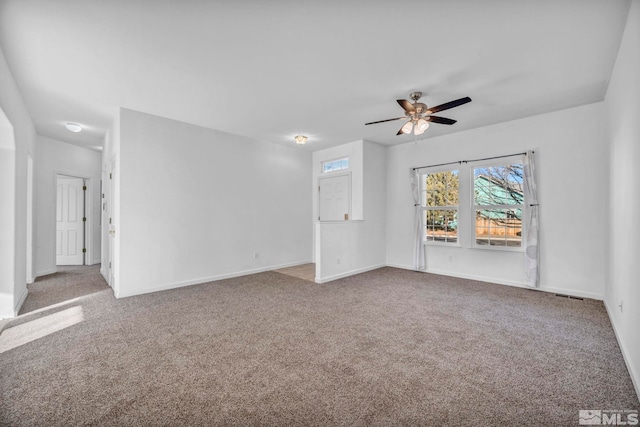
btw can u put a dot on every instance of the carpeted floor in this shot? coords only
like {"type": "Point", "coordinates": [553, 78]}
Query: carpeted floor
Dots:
{"type": "Point", "coordinates": [387, 347]}
{"type": "Point", "coordinates": [68, 283]}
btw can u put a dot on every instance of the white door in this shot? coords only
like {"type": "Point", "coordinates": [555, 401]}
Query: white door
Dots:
{"type": "Point", "coordinates": [335, 198]}
{"type": "Point", "coordinates": [69, 221]}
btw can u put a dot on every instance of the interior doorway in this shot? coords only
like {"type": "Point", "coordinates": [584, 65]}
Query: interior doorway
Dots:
{"type": "Point", "coordinates": [71, 220]}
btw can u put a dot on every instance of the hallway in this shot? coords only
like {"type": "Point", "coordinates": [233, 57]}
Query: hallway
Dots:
{"type": "Point", "coordinates": [68, 283]}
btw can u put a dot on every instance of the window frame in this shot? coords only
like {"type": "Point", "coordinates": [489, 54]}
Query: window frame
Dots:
{"type": "Point", "coordinates": [502, 162]}
{"type": "Point", "coordinates": [425, 208]}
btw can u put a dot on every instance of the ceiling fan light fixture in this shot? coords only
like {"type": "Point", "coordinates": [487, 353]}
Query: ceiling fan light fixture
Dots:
{"type": "Point", "coordinates": [408, 127]}
{"type": "Point", "coordinates": [72, 127]}
{"type": "Point", "coordinates": [301, 139]}
{"type": "Point", "coordinates": [421, 126]}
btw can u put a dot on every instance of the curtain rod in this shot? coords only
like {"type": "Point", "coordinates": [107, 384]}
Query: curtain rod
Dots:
{"type": "Point", "coordinates": [469, 161]}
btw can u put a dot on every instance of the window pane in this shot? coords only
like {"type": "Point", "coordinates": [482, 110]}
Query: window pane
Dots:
{"type": "Point", "coordinates": [441, 189]}
{"type": "Point", "coordinates": [499, 227]}
{"type": "Point", "coordinates": [441, 225]}
{"type": "Point", "coordinates": [335, 165]}
{"type": "Point", "coordinates": [499, 185]}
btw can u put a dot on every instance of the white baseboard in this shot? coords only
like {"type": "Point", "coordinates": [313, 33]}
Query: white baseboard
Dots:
{"type": "Point", "coordinates": [46, 272]}
{"type": "Point", "coordinates": [572, 292]}
{"type": "Point", "coordinates": [124, 293]}
{"type": "Point", "coordinates": [478, 278]}
{"type": "Point", "coordinates": [402, 266]}
{"type": "Point", "coordinates": [635, 376]}
{"type": "Point", "coordinates": [349, 273]}
{"type": "Point", "coordinates": [18, 306]}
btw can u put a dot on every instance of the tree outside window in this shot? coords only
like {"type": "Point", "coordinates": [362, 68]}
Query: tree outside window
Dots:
{"type": "Point", "coordinates": [440, 206]}
{"type": "Point", "coordinates": [498, 202]}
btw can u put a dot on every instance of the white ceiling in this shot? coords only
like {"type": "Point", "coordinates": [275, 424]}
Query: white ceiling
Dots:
{"type": "Point", "coordinates": [273, 69]}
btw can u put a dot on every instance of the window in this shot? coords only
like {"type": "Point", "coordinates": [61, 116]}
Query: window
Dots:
{"type": "Point", "coordinates": [498, 201]}
{"type": "Point", "coordinates": [440, 206]}
{"type": "Point", "coordinates": [335, 165]}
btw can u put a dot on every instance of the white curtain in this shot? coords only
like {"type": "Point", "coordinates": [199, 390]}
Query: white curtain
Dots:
{"type": "Point", "coordinates": [419, 261]}
{"type": "Point", "coordinates": [531, 254]}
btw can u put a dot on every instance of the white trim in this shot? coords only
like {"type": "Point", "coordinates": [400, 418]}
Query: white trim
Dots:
{"type": "Point", "coordinates": [515, 283]}
{"type": "Point", "coordinates": [635, 376]}
{"type": "Point", "coordinates": [402, 266]}
{"type": "Point", "coordinates": [349, 273]}
{"type": "Point", "coordinates": [520, 284]}
{"type": "Point", "coordinates": [46, 272]}
{"type": "Point", "coordinates": [199, 281]}
{"type": "Point", "coordinates": [571, 292]}
{"type": "Point", "coordinates": [477, 278]}
{"type": "Point", "coordinates": [18, 306]}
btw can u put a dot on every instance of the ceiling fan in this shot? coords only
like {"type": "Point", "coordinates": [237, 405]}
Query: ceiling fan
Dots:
{"type": "Point", "coordinates": [419, 115]}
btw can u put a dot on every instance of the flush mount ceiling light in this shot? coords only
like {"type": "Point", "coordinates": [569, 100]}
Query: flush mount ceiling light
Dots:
{"type": "Point", "coordinates": [72, 127]}
{"type": "Point", "coordinates": [301, 139]}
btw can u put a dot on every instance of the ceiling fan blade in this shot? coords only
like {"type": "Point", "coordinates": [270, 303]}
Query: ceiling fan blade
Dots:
{"type": "Point", "coordinates": [400, 132]}
{"type": "Point", "coordinates": [441, 120]}
{"type": "Point", "coordinates": [448, 105]}
{"type": "Point", "coordinates": [406, 105]}
{"type": "Point", "coordinates": [382, 121]}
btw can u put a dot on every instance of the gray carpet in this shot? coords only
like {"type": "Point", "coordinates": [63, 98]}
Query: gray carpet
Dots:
{"type": "Point", "coordinates": [387, 347]}
{"type": "Point", "coordinates": [68, 283]}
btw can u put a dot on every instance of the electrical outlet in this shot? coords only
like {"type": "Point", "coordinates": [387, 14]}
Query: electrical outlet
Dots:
{"type": "Point", "coordinates": [256, 255]}
{"type": "Point", "coordinates": [338, 260]}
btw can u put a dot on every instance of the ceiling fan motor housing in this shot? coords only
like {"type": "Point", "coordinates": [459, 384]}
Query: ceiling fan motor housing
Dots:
{"type": "Point", "coordinates": [415, 95]}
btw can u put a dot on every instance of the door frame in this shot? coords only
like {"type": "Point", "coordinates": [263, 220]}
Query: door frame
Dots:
{"type": "Point", "coordinates": [110, 191]}
{"type": "Point", "coordinates": [30, 193]}
{"type": "Point", "coordinates": [88, 197]}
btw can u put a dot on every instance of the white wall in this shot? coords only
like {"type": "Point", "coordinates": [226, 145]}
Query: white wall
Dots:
{"type": "Point", "coordinates": [56, 157]}
{"type": "Point", "coordinates": [14, 151]}
{"type": "Point", "coordinates": [571, 155]}
{"type": "Point", "coordinates": [622, 104]}
{"type": "Point", "coordinates": [349, 247]}
{"type": "Point", "coordinates": [196, 205]}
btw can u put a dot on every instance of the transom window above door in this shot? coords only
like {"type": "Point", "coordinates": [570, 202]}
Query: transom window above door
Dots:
{"type": "Point", "coordinates": [335, 165]}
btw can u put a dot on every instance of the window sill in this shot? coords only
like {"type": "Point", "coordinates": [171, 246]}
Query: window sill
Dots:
{"type": "Point", "coordinates": [338, 221]}
{"type": "Point", "coordinates": [497, 248]}
{"type": "Point", "coordinates": [441, 244]}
